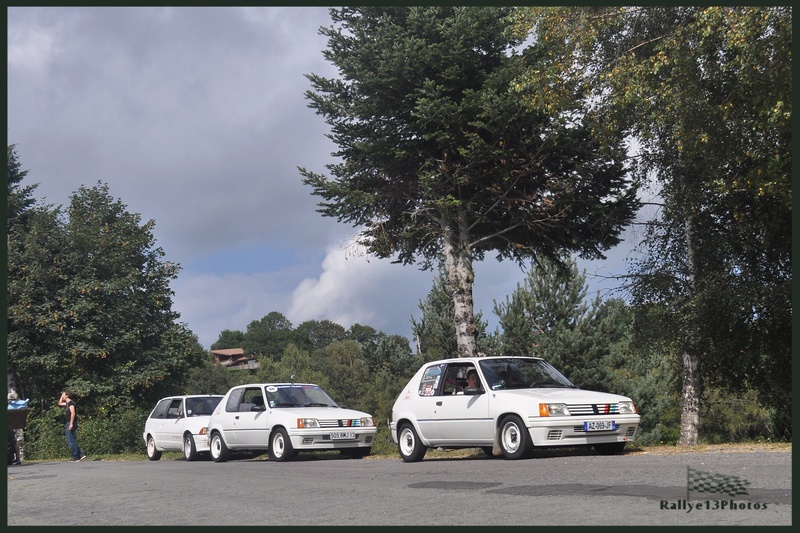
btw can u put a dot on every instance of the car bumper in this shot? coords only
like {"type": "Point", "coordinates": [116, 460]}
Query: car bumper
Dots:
{"type": "Point", "coordinates": [570, 431]}
{"type": "Point", "coordinates": [325, 438]}
{"type": "Point", "coordinates": [201, 443]}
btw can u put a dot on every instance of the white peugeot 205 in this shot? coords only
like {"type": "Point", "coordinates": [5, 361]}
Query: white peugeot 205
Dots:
{"type": "Point", "coordinates": [509, 405]}
{"type": "Point", "coordinates": [284, 419]}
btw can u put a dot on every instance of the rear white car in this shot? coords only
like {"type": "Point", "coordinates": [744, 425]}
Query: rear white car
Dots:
{"type": "Point", "coordinates": [284, 419]}
{"type": "Point", "coordinates": [178, 423]}
{"type": "Point", "coordinates": [520, 403]}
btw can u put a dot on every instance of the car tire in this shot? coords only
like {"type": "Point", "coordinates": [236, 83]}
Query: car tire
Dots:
{"type": "Point", "coordinates": [152, 453]}
{"type": "Point", "coordinates": [357, 453]}
{"type": "Point", "coordinates": [515, 441]}
{"type": "Point", "coordinates": [219, 450]}
{"type": "Point", "coordinates": [609, 448]}
{"type": "Point", "coordinates": [189, 450]}
{"type": "Point", "coordinates": [408, 444]}
{"type": "Point", "coordinates": [280, 447]}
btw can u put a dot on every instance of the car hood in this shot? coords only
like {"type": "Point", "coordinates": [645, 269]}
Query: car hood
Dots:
{"type": "Point", "coordinates": [322, 412]}
{"type": "Point", "coordinates": [569, 396]}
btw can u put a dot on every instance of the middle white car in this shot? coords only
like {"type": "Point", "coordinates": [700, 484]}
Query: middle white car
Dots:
{"type": "Point", "coordinates": [285, 418]}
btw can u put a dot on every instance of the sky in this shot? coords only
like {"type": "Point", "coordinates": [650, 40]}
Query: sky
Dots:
{"type": "Point", "coordinates": [196, 118]}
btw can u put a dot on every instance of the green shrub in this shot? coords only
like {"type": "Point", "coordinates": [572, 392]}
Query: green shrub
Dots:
{"type": "Point", "coordinates": [43, 438]}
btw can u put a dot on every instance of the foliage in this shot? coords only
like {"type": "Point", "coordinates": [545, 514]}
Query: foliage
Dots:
{"type": "Point", "coordinates": [269, 336]}
{"type": "Point", "coordinates": [435, 332]}
{"type": "Point", "coordinates": [706, 91]}
{"type": "Point", "coordinates": [549, 316]}
{"type": "Point", "coordinates": [90, 306]}
{"type": "Point", "coordinates": [20, 202]}
{"type": "Point", "coordinates": [104, 434]}
{"type": "Point", "coordinates": [440, 160]}
{"type": "Point", "coordinates": [228, 339]}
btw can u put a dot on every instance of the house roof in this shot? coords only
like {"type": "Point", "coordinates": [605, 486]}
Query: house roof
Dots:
{"type": "Point", "coordinates": [230, 352]}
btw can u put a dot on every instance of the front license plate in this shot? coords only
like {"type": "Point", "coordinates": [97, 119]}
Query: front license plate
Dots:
{"type": "Point", "coordinates": [606, 425]}
{"type": "Point", "coordinates": [343, 435]}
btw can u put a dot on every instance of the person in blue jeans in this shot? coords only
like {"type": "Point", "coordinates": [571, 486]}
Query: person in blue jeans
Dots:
{"type": "Point", "coordinates": [71, 427]}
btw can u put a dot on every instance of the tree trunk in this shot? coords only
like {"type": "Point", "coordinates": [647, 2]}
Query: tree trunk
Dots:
{"type": "Point", "coordinates": [460, 278]}
{"type": "Point", "coordinates": [690, 413]}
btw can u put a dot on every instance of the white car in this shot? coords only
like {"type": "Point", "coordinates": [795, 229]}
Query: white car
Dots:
{"type": "Point", "coordinates": [285, 418]}
{"type": "Point", "coordinates": [518, 403]}
{"type": "Point", "coordinates": [179, 423]}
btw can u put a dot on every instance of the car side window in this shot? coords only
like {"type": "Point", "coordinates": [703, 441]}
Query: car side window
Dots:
{"type": "Point", "coordinates": [455, 379]}
{"type": "Point", "coordinates": [431, 378]}
{"type": "Point", "coordinates": [234, 399]}
{"type": "Point", "coordinates": [161, 409]}
{"type": "Point", "coordinates": [175, 408]}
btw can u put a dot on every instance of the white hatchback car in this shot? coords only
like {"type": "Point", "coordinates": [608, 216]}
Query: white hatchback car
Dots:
{"type": "Point", "coordinates": [285, 418]}
{"type": "Point", "coordinates": [516, 404]}
{"type": "Point", "coordinates": [179, 423]}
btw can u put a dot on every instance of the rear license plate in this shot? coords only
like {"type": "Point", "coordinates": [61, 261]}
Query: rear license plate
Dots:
{"type": "Point", "coordinates": [343, 435]}
{"type": "Point", "coordinates": [606, 425]}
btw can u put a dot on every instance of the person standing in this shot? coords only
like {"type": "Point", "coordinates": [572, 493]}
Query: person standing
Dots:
{"type": "Point", "coordinates": [71, 428]}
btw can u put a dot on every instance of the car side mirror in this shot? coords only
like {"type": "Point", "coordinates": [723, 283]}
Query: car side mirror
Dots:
{"type": "Point", "coordinates": [473, 391]}
{"type": "Point", "coordinates": [259, 408]}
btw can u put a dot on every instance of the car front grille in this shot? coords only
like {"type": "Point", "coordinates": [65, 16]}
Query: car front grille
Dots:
{"type": "Point", "coordinates": [591, 409]}
{"type": "Point", "coordinates": [339, 423]}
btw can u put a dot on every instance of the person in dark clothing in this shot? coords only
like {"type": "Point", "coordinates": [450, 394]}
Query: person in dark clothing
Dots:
{"type": "Point", "coordinates": [71, 427]}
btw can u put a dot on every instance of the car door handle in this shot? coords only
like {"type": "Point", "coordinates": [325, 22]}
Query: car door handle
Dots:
{"type": "Point", "coordinates": [439, 403]}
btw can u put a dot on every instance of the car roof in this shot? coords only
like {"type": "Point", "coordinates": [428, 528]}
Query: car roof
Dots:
{"type": "Point", "coordinates": [481, 358]}
{"type": "Point", "coordinates": [274, 384]}
{"type": "Point", "coordinates": [191, 396]}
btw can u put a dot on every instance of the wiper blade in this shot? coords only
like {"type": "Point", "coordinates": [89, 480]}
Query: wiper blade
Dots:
{"type": "Point", "coordinates": [313, 404]}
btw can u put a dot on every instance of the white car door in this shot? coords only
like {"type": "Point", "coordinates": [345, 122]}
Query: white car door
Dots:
{"type": "Point", "coordinates": [250, 427]}
{"type": "Point", "coordinates": [461, 419]}
{"type": "Point", "coordinates": [171, 436]}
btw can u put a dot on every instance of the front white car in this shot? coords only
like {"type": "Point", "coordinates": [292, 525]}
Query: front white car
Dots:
{"type": "Point", "coordinates": [520, 402]}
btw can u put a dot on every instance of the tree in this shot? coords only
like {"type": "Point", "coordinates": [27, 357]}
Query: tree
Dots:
{"type": "Point", "coordinates": [707, 92]}
{"type": "Point", "coordinates": [549, 316]}
{"type": "Point", "coordinates": [316, 334]}
{"type": "Point", "coordinates": [434, 332]}
{"type": "Point", "coordinates": [440, 160]}
{"type": "Point", "coordinates": [90, 306]}
{"type": "Point", "coordinates": [229, 339]}
{"type": "Point", "coordinates": [269, 336]}
{"type": "Point", "coordinates": [20, 202]}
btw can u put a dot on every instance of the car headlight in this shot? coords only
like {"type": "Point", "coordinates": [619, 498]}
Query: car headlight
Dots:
{"type": "Point", "coordinates": [307, 423]}
{"type": "Point", "coordinates": [553, 409]}
{"type": "Point", "coordinates": [366, 421]}
{"type": "Point", "coordinates": [626, 407]}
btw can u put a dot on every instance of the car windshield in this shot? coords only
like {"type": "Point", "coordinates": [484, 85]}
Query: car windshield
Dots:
{"type": "Point", "coordinates": [298, 396]}
{"type": "Point", "coordinates": [518, 373]}
{"type": "Point", "coordinates": [202, 406]}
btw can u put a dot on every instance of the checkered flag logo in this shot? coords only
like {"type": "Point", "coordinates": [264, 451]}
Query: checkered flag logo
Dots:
{"type": "Point", "coordinates": [700, 481]}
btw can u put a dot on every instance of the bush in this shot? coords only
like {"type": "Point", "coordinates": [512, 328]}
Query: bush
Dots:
{"type": "Point", "coordinates": [43, 438]}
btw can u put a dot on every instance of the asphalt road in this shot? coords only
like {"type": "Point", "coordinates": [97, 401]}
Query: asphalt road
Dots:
{"type": "Point", "coordinates": [631, 489]}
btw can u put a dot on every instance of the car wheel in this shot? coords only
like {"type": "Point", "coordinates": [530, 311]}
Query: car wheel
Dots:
{"type": "Point", "coordinates": [152, 453]}
{"type": "Point", "coordinates": [515, 441]}
{"type": "Point", "coordinates": [609, 448]}
{"type": "Point", "coordinates": [280, 447]}
{"type": "Point", "coordinates": [189, 450]}
{"type": "Point", "coordinates": [219, 451]}
{"type": "Point", "coordinates": [357, 453]}
{"type": "Point", "coordinates": [409, 445]}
